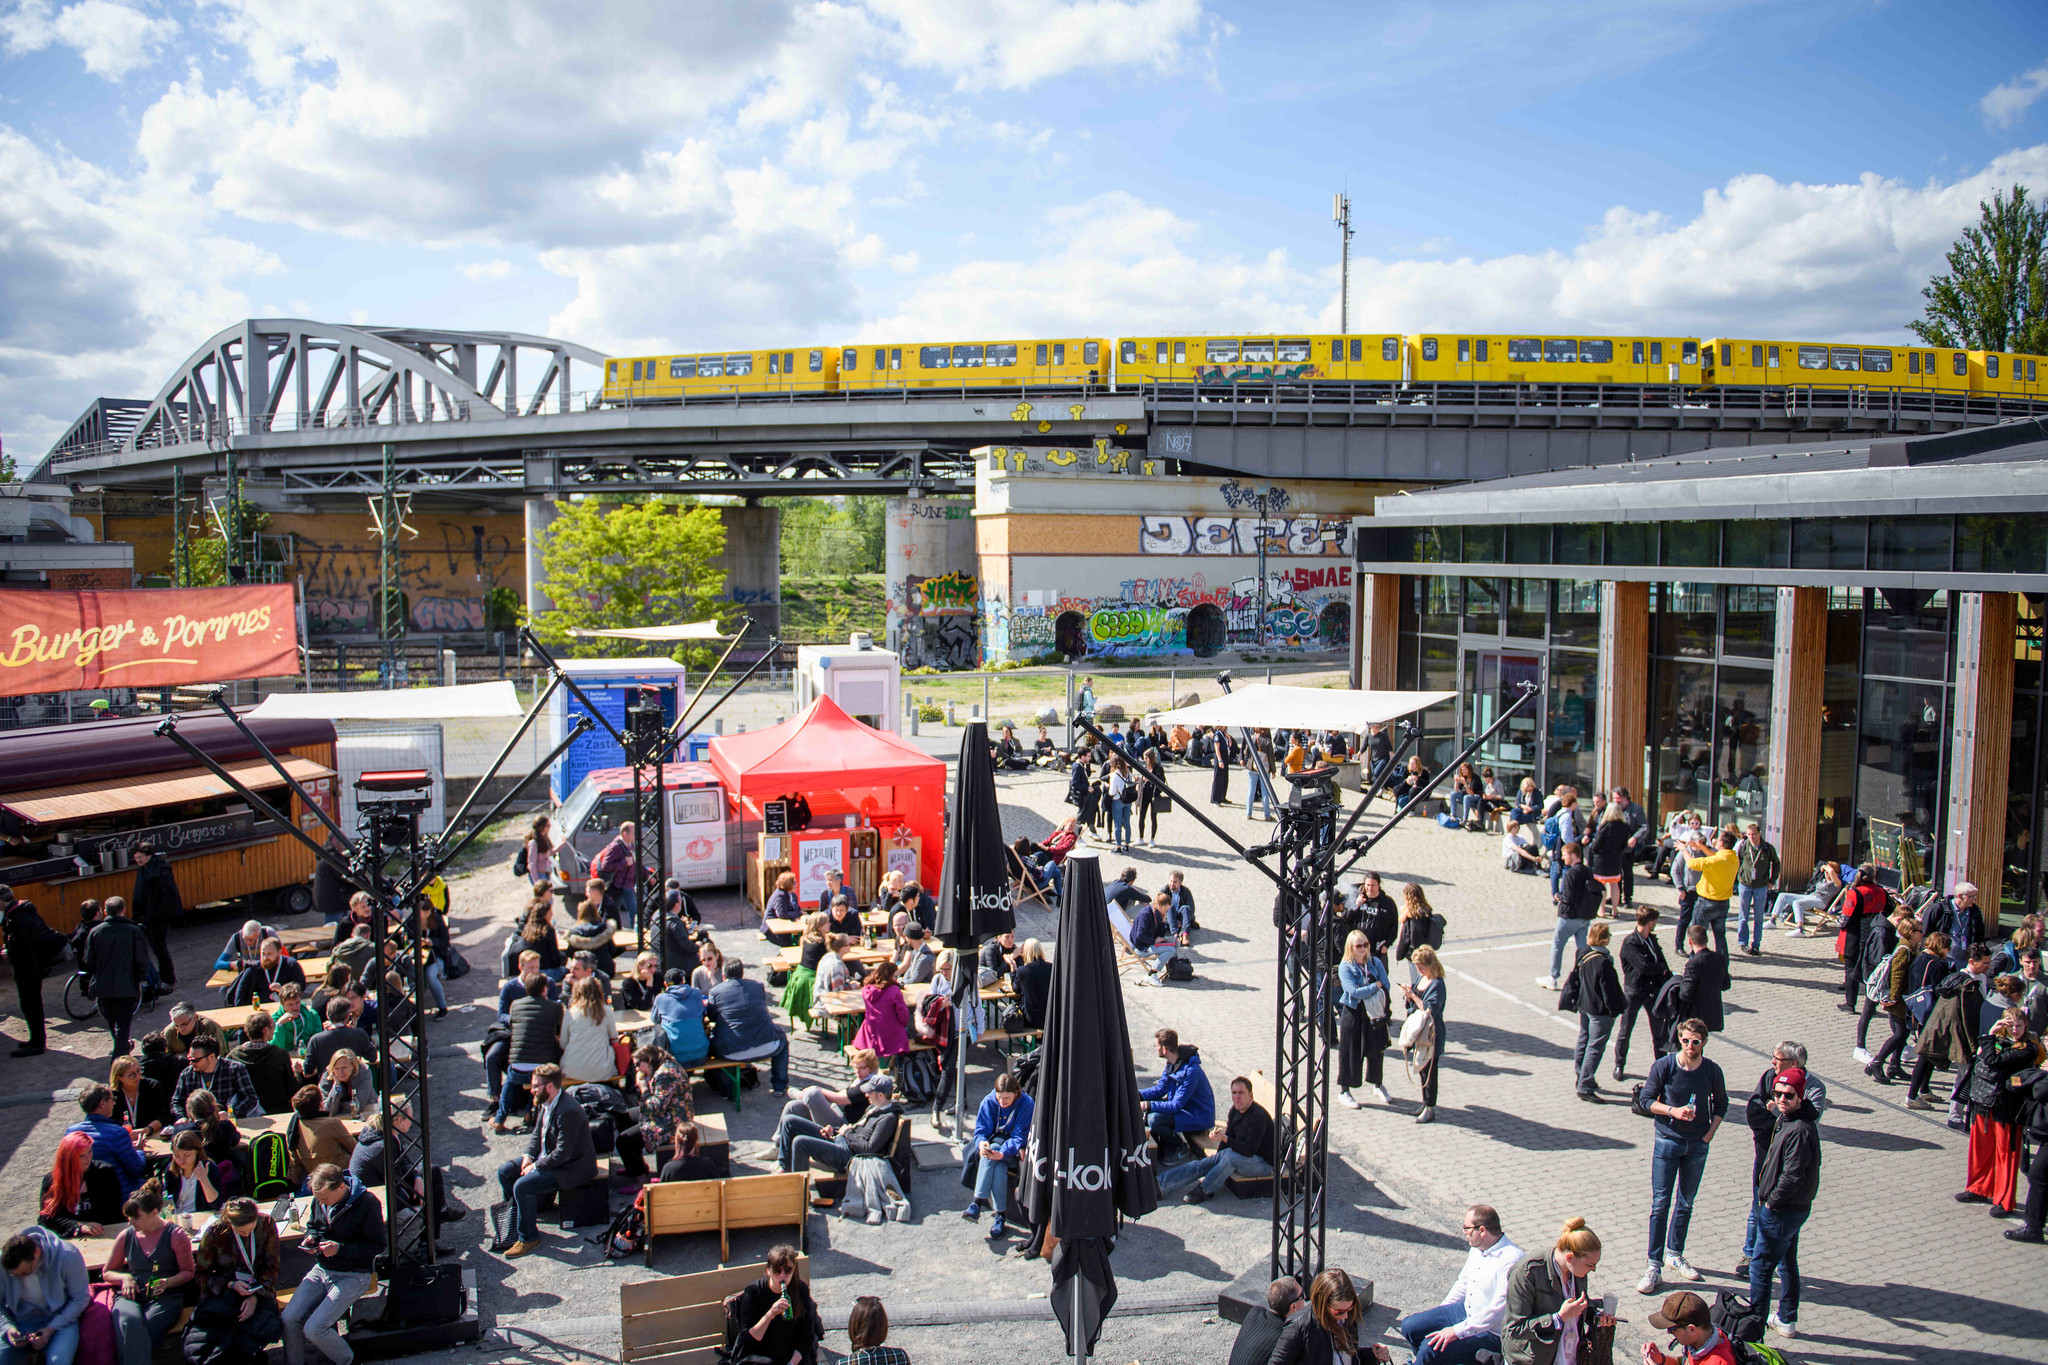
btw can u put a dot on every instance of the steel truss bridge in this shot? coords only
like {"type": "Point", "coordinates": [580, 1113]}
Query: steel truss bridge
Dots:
{"type": "Point", "coordinates": [306, 408]}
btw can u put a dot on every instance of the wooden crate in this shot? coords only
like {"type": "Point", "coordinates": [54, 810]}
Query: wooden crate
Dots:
{"type": "Point", "coordinates": [761, 878]}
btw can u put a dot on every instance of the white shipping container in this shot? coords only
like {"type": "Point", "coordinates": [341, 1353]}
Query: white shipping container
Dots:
{"type": "Point", "coordinates": [360, 748]}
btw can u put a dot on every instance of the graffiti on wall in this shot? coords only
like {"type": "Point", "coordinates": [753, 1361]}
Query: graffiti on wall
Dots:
{"type": "Point", "coordinates": [947, 594]}
{"type": "Point", "coordinates": [1307, 609]}
{"type": "Point", "coordinates": [940, 642]}
{"type": "Point", "coordinates": [1242, 536]}
{"type": "Point", "coordinates": [1237, 494]}
{"type": "Point", "coordinates": [1098, 458]}
{"type": "Point", "coordinates": [446, 573]}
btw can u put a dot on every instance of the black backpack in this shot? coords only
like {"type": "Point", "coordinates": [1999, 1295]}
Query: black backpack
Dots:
{"type": "Point", "coordinates": [1179, 969]}
{"type": "Point", "coordinates": [1736, 1317]}
{"type": "Point", "coordinates": [627, 1233]}
{"type": "Point", "coordinates": [519, 862]}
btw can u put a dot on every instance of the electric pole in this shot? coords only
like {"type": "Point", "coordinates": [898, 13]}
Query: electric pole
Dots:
{"type": "Point", "coordinates": [1340, 213]}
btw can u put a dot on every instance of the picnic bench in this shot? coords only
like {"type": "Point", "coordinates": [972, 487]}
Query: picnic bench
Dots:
{"type": "Point", "coordinates": [741, 1201]}
{"type": "Point", "coordinates": [680, 1319]}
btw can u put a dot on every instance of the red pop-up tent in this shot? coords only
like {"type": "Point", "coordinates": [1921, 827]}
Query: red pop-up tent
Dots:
{"type": "Point", "coordinates": [821, 752]}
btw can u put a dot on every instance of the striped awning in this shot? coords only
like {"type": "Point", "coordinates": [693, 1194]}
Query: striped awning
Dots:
{"type": "Point", "coordinates": [90, 800]}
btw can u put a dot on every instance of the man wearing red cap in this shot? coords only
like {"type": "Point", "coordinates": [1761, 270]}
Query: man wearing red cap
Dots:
{"type": "Point", "coordinates": [1785, 1187]}
{"type": "Point", "coordinates": [1685, 1316]}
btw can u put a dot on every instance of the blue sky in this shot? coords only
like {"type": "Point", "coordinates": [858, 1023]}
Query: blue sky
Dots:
{"type": "Point", "coordinates": [654, 176]}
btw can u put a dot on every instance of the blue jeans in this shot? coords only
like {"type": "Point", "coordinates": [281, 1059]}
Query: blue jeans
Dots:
{"type": "Point", "coordinates": [525, 1191]}
{"type": "Point", "coordinates": [316, 1307]}
{"type": "Point", "coordinates": [435, 987]}
{"type": "Point", "coordinates": [1180, 919]}
{"type": "Point", "coordinates": [804, 1150]}
{"type": "Point", "coordinates": [516, 1077]}
{"type": "Point", "coordinates": [1162, 951]}
{"type": "Point", "coordinates": [1594, 1031]}
{"type": "Point", "coordinates": [1777, 1235]}
{"type": "Point", "coordinates": [62, 1349]}
{"type": "Point", "coordinates": [1120, 822]}
{"type": "Point", "coordinates": [1676, 1165]}
{"type": "Point", "coordinates": [778, 1063]}
{"type": "Point", "coordinates": [1749, 919]}
{"type": "Point", "coordinates": [1713, 914]}
{"type": "Point", "coordinates": [1556, 856]}
{"type": "Point", "coordinates": [1212, 1172]}
{"type": "Point", "coordinates": [1053, 876]}
{"type": "Point", "coordinates": [792, 1127]}
{"type": "Point", "coordinates": [992, 1183]}
{"type": "Point", "coordinates": [1795, 905]}
{"type": "Point", "coordinates": [1567, 931]}
{"type": "Point", "coordinates": [1416, 1327]}
{"type": "Point", "coordinates": [1261, 791]}
{"type": "Point", "coordinates": [1466, 806]}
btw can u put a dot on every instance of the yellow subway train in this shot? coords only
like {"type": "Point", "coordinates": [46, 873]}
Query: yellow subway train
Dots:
{"type": "Point", "coordinates": [1305, 359]}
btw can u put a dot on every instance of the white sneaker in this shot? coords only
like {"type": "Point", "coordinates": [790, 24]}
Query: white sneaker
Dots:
{"type": "Point", "coordinates": [1651, 1279]}
{"type": "Point", "coordinates": [1795, 933]}
{"type": "Point", "coordinates": [1384, 1097]}
{"type": "Point", "coordinates": [1676, 1263]}
{"type": "Point", "coordinates": [1782, 1327]}
{"type": "Point", "coordinates": [1862, 1056]}
{"type": "Point", "coordinates": [1548, 983]}
{"type": "Point", "coordinates": [1344, 1098]}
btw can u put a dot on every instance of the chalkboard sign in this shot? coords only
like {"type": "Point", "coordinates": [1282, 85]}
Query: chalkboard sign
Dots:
{"type": "Point", "coordinates": [1884, 850]}
{"type": "Point", "coordinates": [775, 818]}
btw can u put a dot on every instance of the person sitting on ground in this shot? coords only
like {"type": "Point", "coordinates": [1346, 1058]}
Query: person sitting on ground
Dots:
{"type": "Point", "coordinates": [919, 958]}
{"type": "Point", "coordinates": [1468, 1321]}
{"type": "Point", "coordinates": [1007, 752]}
{"type": "Point", "coordinates": [1031, 978]}
{"type": "Point", "coordinates": [1124, 893]}
{"type": "Point", "coordinates": [1045, 753]}
{"type": "Point", "coordinates": [1686, 1317]}
{"type": "Point", "coordinates": [1262, 1324]}
{"type": "Point", "coordinates": [1180, 908]}
{"type": "Point", "coordinates": [835, 1146]}
{"type": "Point", "coordinates": [206, 1069]}
{"type": "Point", "coordinates": [315, 1138]}
{"type": "Point", "coordinates": [269, 1066]}
{"type": "Point", "coordinates": [1000, 1128]}
{"type": "Point", "coordinates": [1148, 935]}
{"type": "Point", "coordinates": [1518, 852]}
{"type": "Point", "coordinates": [1180, 1101]}
{"type": "Point", "coordinates": [744, 1031]}
{"type": "Point", "coordinates": [775, 1316]}
{"type": "Point", "coordinates": [1245, 1147]}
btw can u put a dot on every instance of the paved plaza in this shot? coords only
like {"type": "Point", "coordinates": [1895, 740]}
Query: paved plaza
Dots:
{"type": "Point", "coordinates": [1894, 1269]}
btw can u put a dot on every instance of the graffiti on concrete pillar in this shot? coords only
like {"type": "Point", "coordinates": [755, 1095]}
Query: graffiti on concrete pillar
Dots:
{"type": "Point", "coordinates": [940, 642]}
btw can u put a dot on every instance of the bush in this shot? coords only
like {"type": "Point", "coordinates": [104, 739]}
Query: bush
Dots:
{"type": "Point", "coordinates": [928, 711]}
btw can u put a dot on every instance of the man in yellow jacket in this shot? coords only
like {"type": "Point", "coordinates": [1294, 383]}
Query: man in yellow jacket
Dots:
{"type": "Point", "coordinates": [1716, 870]}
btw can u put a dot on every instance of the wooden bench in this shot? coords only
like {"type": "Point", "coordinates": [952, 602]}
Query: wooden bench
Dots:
{"type": "Point", "coordinates": [701, 1071]}
{"type": "Point", "coordinates": [745, 1201]}
{"type": "Point", "coordinates": [680, 1319]}
{"type": "Point", "coordinates": [1258, 1186]}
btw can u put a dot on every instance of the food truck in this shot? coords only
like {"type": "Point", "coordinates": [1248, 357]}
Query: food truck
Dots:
{"type": "Point", "coordinates": [704, 844]}
{"type": "Point", "coordinates": [77, 800]}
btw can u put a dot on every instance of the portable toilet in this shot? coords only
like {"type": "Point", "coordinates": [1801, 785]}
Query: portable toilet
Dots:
{"type": "Point", "coordinates": [613, 686]}
{"type": "Point", "coordinates": [867, 683]}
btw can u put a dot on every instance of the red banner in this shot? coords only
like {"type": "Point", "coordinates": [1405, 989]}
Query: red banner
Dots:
{"type": "Point", "coordinates": [152, 637]}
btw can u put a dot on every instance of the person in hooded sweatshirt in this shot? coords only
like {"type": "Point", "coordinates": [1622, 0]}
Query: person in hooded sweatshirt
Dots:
{"type": "Point", "coordinates": [344, 1236]}
{"type": "Point", "coordinates": [679, 1010]}
{"type": "Point", "coordinates": [1180, 1101]}
{"type": "Point", "coordinates": [1785, 1187]}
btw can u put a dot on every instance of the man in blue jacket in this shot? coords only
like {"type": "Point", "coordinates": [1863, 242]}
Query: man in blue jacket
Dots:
{"type": "Point", "coordinates": [1180, 1101]}
{"type": "Point", "coordinates": [679, 1011]}
{"type": "Point", "coordinates": [110, 1140]}
{"type": "Point", "coordinates": [1000, 1128]}
{"type": "Point", "coordinates": [42, 1296]}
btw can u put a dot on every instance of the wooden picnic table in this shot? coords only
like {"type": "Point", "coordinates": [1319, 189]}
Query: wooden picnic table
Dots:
{"type": "Point", "coordinates": [790, 958]}
{"type": "Point", "coordinates": [631, 1021]}
{"type": "Point", "coordinates": [313, 936]}
{"type": "Point", "coordinates": [313, 967]}
{"type": "Point", "coordinates": [248, 1128]}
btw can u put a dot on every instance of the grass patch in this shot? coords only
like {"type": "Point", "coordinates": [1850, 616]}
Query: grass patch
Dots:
{"type": "Point", "coordinates": [827, 609]}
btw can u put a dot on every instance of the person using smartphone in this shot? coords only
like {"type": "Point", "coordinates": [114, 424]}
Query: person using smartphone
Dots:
{"type": "Point", "coordinates": [1548, 1295]}
{"type": "Point", "coordinates": [1692, 1329]}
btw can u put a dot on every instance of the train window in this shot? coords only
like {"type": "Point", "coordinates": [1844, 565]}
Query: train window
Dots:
{"type": "Point", "coordinates": [1912, 362]}
{"type": "Point", "coordinates": [1220, 352]}
{"type": "Point", "coordinates": [1059, 353]}
{"type": "Point", "coordinates": [1041, 353]}
{"type": "Point", "coordinates": [683, 367]}
{"type": "Point", "coordinates": [1813, 357]}
{"type": "Point", "coordinates": [1561, 351]}
{"type": "Point", "coordinates": [1128, 353]}
{"type": "Point", "coordinates": [1991, 366]}
{"type": "Point", "coordinates": [967, 357]}
{"type": "Point", "coordinates": [1846, 358]}
{"type": "Point", "coordinates": [1465, 350]}
{"type": "Point", "coordinates": [711, 367]}
{"type": "Point", "coordinates": [614, 369]}
{"type": "Point", "coordinates": [1180, 353]}
{"type": "Point", "coordinates": [1429, 348]}
{"type": "Point", "coordinates": [1959, 364]}
{"type": "Point", "coordinates": [878, 357]}
{"type": "Point", "coordinates": [895, 358]}
{"type": "Point", "coordinates": [1756, 357]}
{"type": "Point", "coordinates": [1600, 352]}
{"type": "Point", "coordinates": [817, 361]}
{"type": "Point", "coordinates": [1091, 353]}
{"type": "Point", "coordinates": [1522, 350]}
{"type": "Point", "coordinates": [739, 364]}
{"type": "Point", "coordinates": [1004, 356]}
{"type": "Point", "coordinates": [2031, 376]}
{"type": "Point", "coordinates": [1656, 353]}
{"type": "Point", "coordinates": [636, 372]}
{"type": "Point", "coordinates": [1357, 349]}
{"type": "Point", "coordinates": [849, 360]}
{"type": "Point", "coordinates": [1390, 349]}
{"type": "Point", "coordinates": [929, 357]}
{"type": "Point", "coordinates": [774, 363]}
{"type": "Point", "coordinates": [1160, 351]}
{"type": "Point", "coordinates": [1927, 366]}
{"type": "Point", "coordinates": [1635, 356]}
{"type": "Point", "coordinates": [1878, 361]}
{"type": "Point", "coordinates": [789, 362]}
{"type": "Point", "coordinates": [1479, 350]}
{"type": "Point", "coordinates": [1337, 351]}
{"type": "Point", "coordinates": [1260, 351]}
{"type": "Point", "coordinates": [1690, 355]}
{"type": "Point", "coordinates": [1293, 351]}
{"type": "Point", "coordinates": [1771, 362]}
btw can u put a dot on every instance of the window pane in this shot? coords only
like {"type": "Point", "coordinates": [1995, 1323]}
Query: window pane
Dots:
{"type": "Point", "coordinates": [1482, 544]}
{"type": "Point", "coordinates": [1911, 543]}
{"type": "Point", "coordinates": [711, 367]}
{"type": "Point", "coordinates": [849, 359]}
{"type": "Point", "coordinates": [1879, 362]}
{"type": "Point", "coordinates": [1691, 354]}
{"type": "Point", "coordinates": [1578, 614]}
{"type": "Point", "coordinates": [1835, 819]}
{"type": "Point", "coordinates": [1846, 358]}
{"type": "Point", "coordinates": [1900, 775]}
{"type": "Point", "coordinates": [1758, 544]}
{"type": "Point", "coordinates": [1160, 352]}
{"type": "Point", "coordinates": [2021, 859]}
{"type": "Point", "coordinates": [1828, 543]}
{"type": "Point", "coordinates": [1390, 349]}
{"type": "Point", "coordinates": [1042, 352]}
{"type": "Point", "coordinates": [1905, 634]}
{"type": "Point", "coordinates": [1573, 747]}
{"type": "Point", "coordinates": [1756, 357]}
{"type": "Point", "coordinates": [1439, 723]}
{"type": "Point", "coordinates": [1743, 739]}
{"type": "Point", "coordinates": [1429, 348]}
{"type": "Point", "coordinates": [1726, 358]}
{"type": "Point", "coordinates": [1691, 544]}
{"type": "Point", "coordinates": [967, 357]}
{"type": "Point", "coordinates": [1749, 622]}
{"type": "Point", "coordinates": [1682, 736]}
{"type": "Point", "coordinates": [1771, 362]}
{"type": "Point", "coordinates": [1464, 349]}
{"type": "Point", "coordinates": [1991, 366]}
{"type": "Point", "coordinates": [1059, 353]}
{"type": "Point", "coordinates": [1479, 350]}
{"type": "Point", "coordinates": [1656, 353]}
{"type": "Point", "coordinates": [1521, 349]}
{"type": "Point", "coordinates": [1685, 620]}
{"type": "Point", "coordinates": [1631, 543]}
{"type": "Point", "coordinates": [932, 357]}
{"type": "Point", "coordinates": [1180, 353]}
{"type": "Point", "coordinates": [895, 358]}
{"type": "Point", "coordinates": [774, 363]}
{"type": "Point", "coordinates": [739, 364]}
{"type": "Point", "coordinates": [1357, 349]}
{"type": "Point", "coordinates": [1599, 352]}
{"type": "Point", "coordinates": [1437, 600]}
{"type": "Point", "coordinates": [1813, 357]}
{"type": "Point", "coordinates": [1005, 355]}
{"type": "Point", "coordinates": [1091, 353]}
{"type": "Point", "coordinates": [1295, 351]}
{"type": "Point", "coordinates": [1560, 351]}
{"type": "Point", "coordinates": [817, 361]}
{"type": "Point", "coordinates": [1528, 600]}
{"type": "Point", "coordinates": [1482, 606]}
{"type": "Point", "coordinates": [1528, 544]}
{"type": "Point", "coordinates": [2001, 544]}
{"type": "Point", "coordinates": [1222, 352]}
{"type": "Point", "coordinates": [683, 367]}
{"type": "Point", "coordinates": [1129, 353]}
{"type": "Point", "coordinates": [1258, 352]}
{"type": "Point", "coordinates": [1578, 542]}
{"type": "Point", "coordinates": [1636, 354]}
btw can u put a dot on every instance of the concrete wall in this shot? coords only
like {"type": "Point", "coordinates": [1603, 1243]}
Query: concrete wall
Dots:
{"type": "Point", "coordinates": [753, 565]}
{"type": "Point", "coordinates": [934, 586]}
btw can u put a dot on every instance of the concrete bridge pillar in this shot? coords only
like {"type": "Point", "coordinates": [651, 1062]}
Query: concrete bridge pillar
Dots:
{"type": "Point", "coordinates": [540, 514]}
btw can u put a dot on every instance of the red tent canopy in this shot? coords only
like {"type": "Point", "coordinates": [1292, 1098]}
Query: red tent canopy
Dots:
{"type": "Point", "coordinates": [822, 749]}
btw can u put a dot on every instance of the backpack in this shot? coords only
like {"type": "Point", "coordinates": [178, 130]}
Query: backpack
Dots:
{"type": "Point", "coordinates": [1553, 836]}
{"type": "Point", "coordinates": [627, 1233]}
{"type": "Point", "coordinates": [1877, 986]}
{"type": "Point", "coordinates": [1738, 1319]}
{"type": "Point", "coordinates": [917, 1078]}
{"type": "Point", "coordinates": [519, 862]}
{"type": "Point", "coordinates": [454, 966]}
{"type": "Point", "coordinates": [270, 1166]}
{"type": "Point", "coordinates": [1179, 969]}
{"type": "Point", "coordinates": [1568, 993]}
{"type": "Point", "coordinates": [1756, 1353]}
{"type": "Point", "coordinates": [1434, 935]}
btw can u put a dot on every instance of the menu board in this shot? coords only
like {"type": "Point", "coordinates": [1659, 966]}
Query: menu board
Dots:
{"type": "Point", "coordinates": [818, 852]}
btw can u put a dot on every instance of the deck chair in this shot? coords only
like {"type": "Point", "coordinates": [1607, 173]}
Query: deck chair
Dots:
{"type": "Point", "coordinates": [1025, 886]}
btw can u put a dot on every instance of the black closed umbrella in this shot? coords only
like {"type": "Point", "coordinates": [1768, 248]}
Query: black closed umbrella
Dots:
{"type": "Point", "coordinates": [1087, 1164]}
{"type": "Point", "coordinates": [975, 901]}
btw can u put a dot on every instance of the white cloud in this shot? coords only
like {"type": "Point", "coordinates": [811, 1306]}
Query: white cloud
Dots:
{"type": "Point", "coordinates": [2002, 105]}
{"type": "Point", "coordinates": [1013, 44]}
{"type": "Point", "coordinates": [111, 39]}
{"type": "Point", "coordinates": [1761, 258]}
{"type": "Point", "coordinates": [483, 272]}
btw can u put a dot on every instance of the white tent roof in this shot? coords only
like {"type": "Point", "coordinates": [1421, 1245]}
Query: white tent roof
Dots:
{"type": "Point", "coordinates": [404, 703]}
{"type": "Point", "coordinates": [1270, 705]}
{"type": "Point", "coordinates": [694, 630]}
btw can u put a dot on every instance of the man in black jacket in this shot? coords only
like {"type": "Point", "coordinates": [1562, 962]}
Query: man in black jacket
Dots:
{"type": "Point", "coordinates": [1578, 896]}
{"type": "Point", "coordinates": [559, 1156]}
{"type": "Point", "coordinates": [1785, 1187]}
{"type": "Point", "coordinates": [116, 965]}
{"type": "Point", "coordinates": [835, 1148]}
{"type": "Point", "coordinates": [1643, 973]}
{"type": "Point", "coordinates": [1262, 1325]}
{"type": "Point", "coordinates": [157, 903]}
{"type": "Point", "coordinates": [32, 946]}
{"type": "Point", "coordinates": [2030, 1228]}
{"type": "Point", "coordinates": [344, 1235]}
{"type": "Point", "coordinates": [1244, 1146]}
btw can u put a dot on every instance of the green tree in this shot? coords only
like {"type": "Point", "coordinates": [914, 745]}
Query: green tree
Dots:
{"type": "Point", "coordinates": [1995, 294]}
{"type": "Point", "coordinates": [607, 566]}
{"type": "Point", "coordinates": [208, 547]}
{"type": "Point", "coordinates": [7, 472]}
{"type": "Point", "coordinates": [867, 515]}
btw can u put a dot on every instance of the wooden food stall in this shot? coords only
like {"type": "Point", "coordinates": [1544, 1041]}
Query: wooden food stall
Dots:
{"type": "Point", "coordinates": [77, 800]}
